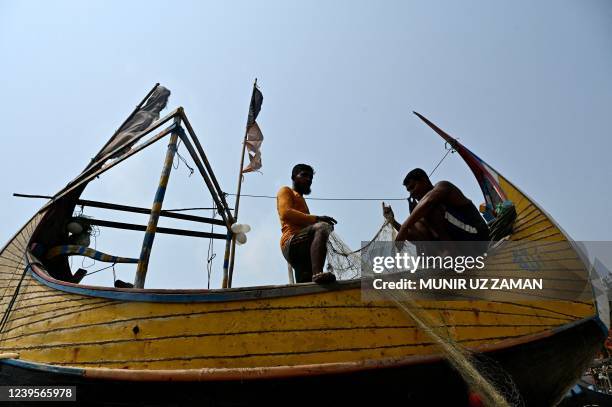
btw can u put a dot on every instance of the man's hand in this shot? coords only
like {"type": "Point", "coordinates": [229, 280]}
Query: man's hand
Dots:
{"type": "Point", "coordinates": [390, 216]}
{"type": "Point", "coordinates": [327, 219]}
{"type": "Point", "coordinates": [388, 213]}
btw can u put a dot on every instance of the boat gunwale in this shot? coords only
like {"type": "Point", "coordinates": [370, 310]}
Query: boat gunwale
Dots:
{"type": "Point", "coordinates": [39, 273]}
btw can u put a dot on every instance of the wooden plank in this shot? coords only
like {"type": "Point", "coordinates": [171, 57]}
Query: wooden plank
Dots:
{"type": "Point", "coordinates": [314, 347]}
{"type": "Point", "coordinates": [216, 325]}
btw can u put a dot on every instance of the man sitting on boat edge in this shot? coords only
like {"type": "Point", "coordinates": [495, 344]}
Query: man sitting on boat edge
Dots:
{"type": "Point", "coordinates": [441, 213]}
{"type": "Point", "coordinates": [304, 236]}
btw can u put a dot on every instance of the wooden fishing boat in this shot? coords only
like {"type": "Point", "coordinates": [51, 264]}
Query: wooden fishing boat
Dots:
{"type": "Point", "coordinates": [273, 344]}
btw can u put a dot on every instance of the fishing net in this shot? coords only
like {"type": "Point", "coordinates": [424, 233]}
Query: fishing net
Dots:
{"type": "Point", "coordinates": [484, 376]}
{"type": "Point", "coordinates": [346, 263]}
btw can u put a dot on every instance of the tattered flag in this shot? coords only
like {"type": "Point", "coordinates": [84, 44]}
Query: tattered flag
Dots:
{"type": "Point", "coordinates": [254, 163]}
{"type": "Point", "coordinates": [254, 137]}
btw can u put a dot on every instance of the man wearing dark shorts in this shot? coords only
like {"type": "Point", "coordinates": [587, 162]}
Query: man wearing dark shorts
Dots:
{"type": "Point", "coordinates": [304, 236]}
{"type": "Point", "coordinates": [442, 213]}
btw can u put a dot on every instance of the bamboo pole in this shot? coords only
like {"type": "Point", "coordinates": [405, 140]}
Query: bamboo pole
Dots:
{"type": "Point", "coordinates": [147, 243]}
{"type": "Point", "coordinates": [228, 272]}
{"type": "Point", "coordinates": [143, 228]}
{"type": "Point", "coordinates": [226, 259]}
{"type": "Point", "coordinates": [133, 209]}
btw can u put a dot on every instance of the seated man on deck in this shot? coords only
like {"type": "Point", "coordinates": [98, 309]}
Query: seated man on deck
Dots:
{"type": "Point", "coordinates": [442, 213]}
{"type": "Point", "coordinates": [304, 236]}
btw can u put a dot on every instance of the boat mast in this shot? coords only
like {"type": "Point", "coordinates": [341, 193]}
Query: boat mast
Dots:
{"type": "Point", "coordinates": [228, 269]}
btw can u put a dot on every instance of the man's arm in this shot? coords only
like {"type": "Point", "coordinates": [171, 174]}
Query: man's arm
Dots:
{"type": "Point", "coordinates": [434, 197]}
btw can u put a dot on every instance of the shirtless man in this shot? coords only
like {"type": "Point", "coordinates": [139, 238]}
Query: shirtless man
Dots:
{"type": "Point", "coordinates": [442, 213]}
{"type": "Point", "coordinates": [304, 236]}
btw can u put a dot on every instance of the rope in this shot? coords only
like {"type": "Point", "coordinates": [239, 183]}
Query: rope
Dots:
{"type": "Point", "coordinates": [181, 158]}
{"type": "Point", "coordinates": [99, 270]}
{"type": "Point", "coordinates": [448, 151]}
{"type": "Point", "coordinates": [210, 255]}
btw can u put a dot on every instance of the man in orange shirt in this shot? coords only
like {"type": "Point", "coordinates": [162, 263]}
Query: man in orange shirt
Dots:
{"type": "Point", "coordinates": [304, 236]}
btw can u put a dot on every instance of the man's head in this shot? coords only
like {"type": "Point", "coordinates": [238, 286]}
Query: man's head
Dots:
{"type": "Point", "coordinates": [417, 183]}
{"type": "Point", "coordinates": [302, 178]}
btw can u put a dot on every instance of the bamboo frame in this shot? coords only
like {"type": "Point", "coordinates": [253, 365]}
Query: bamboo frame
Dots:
{"type": "Point", "coordinates": [147, 243]}
{"type": "Point", "coordinates": [142, 228]}
{"type": "Point", "coordinates": [133, 209]}
{"type": "Point", "coordinates": [98, 167]}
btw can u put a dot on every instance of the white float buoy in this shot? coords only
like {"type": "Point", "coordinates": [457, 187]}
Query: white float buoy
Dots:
{"type": "Point", "coordinates": [241, 238]}
{"type": "Point", "coordinates": [240, 228]}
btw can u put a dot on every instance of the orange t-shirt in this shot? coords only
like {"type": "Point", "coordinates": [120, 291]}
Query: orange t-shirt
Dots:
{"type": "Point", "coordinates": [293, 213]}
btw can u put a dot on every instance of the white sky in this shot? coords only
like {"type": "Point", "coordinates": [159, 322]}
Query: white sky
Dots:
{"type": "Point", "coordinates": [526, 85]}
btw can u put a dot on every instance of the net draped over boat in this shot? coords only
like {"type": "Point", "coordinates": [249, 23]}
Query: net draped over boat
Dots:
{"type": "Point", "coordinates": [346, 263]}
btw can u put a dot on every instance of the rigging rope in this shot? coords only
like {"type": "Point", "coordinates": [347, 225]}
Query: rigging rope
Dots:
{"type": "Point", "coordinates": [99, 270]}
{"type": "Point", "coordinates": [326, 199]}
{"type": "Point", "coordinates": [448, 151]}
{"type": "Point", "coordinates": [181, 158]}
{"type": "Point", "coordinates": [210, 255]}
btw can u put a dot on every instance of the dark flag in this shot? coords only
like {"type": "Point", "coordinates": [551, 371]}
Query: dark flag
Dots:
{"type": "Point", "coordinates": [143, 118]}
{"type": "Point", "coordinates": [256, 101]}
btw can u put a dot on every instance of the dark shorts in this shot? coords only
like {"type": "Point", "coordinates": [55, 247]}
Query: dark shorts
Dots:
{"type": "Point", "coordinates": [468, 230]}
{"type": "Point", "coordinates": [462, 229]}
{"type": "Point", "coordinates": [297, 252]}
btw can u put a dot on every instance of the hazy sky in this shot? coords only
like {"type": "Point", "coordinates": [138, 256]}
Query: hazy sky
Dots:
{"type": "Point", "coordinates": [526, 85]}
